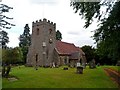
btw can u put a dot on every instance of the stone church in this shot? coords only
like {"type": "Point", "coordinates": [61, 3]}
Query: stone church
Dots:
{"type": "Point", "coordinates": [46, 50]}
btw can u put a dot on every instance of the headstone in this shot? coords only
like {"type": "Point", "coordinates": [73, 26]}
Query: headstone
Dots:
{"type": "Point", "coordinates": [98, 64]}
{"type": "Point", "coordinates": [118, 63]}
{"type": "Point", "coordinates": [92, 64]}
{"type": "Point", "coordinates": [78, 64]}
{"type": "Point", "coordinates": [53, 65]}
{"type": "Point", "coordinates": [65, 68]}
{"type": "Point", "coordinates": [79, 68]}
{"type": "Point", "coordinates": [12, 79]}
{"type": "Point", "coordinates": [36, 67]}
{"type": "Point", "coordinates": [84, 65]}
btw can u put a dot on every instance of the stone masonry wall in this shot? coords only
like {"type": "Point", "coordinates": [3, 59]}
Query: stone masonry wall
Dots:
{"type": "Point", "coordinates": [42, 43]}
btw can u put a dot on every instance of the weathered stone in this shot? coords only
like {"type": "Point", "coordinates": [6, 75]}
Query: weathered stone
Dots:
{"type": "Point", "coordinates": [45, 49]}
{"type": "Point", "coordinates": [65, 68]}
{"type": "Point", "coordinates": [118, 63]}
{"type": "Point", "coordinates": [79, 70]}
{"type": "Point", "coordinates": [92, 64]}
{"type": "Point", "coordinates": [41, 49]}
{"type": "Point", "coordinates": [12, 79]}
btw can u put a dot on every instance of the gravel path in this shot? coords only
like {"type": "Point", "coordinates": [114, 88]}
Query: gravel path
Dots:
{"type": "Point", "coordinates": [114, 75]}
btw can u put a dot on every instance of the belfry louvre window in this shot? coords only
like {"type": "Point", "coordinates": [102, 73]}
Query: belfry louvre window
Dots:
{"type": "Point", "coordinates": [37, 31]}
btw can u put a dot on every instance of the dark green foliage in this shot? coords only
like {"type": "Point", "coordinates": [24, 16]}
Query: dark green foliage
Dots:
{"type": "Point", "coordinates": [58, 35]}
{"type": "Point", "coordinates": [92, 64]}
{"type": "Point", "coordinates": [25, 37]}
{"type": "Point", "coordinates": [89, 52]}
{"type": "Point", "coordinates": [90, 10]}
{"type": "Point", "coordinates": [10, 56]}
{"type": "Point", "coordinates": [25, 41]}
{"type": "Point", "coordinates": [6, 55]}
{"type": "Point", "coordinates": [4, 39]}
{"type": "Point", "coordinates": [107, 34]}
{"type": "Point", "coordinates": [3, 23]}
{"type": "Point", "coordinates": [5, 70]}
{"type": "Point", "coordinates": [87, 10]}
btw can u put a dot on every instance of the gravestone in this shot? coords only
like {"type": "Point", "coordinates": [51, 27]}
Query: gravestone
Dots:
{"type": "Point", "coordinates": [92, 64]}
{"type": "Point", "coordinates": [78, 64]}
{"type": "Point", "coordinates": [118, 63]}
{"type": "Point", "coordinates": [98, 64]}
{"type": "Point", "coordinates": [65, 68]}
{"type": "Point", "coordinates": [79, 69]}
{"type": "Point", "coordinates": [36, 67]}
{"type": "Point", "coordinates": [53, 65]}
{"type": "Point", "coordinates": [84, 65]}
{"type": "Point", "coordinates": [12, 79]}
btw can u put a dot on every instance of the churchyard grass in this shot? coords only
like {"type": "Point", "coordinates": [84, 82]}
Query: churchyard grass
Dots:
{"type": "Point", "coordinates": [117, 68]}
{"type": "Point", "coordinates": [28, 77]}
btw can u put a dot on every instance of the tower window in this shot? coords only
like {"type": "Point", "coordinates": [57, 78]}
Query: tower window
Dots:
{"type": "Point", "coordinates": [50, 31]}
{"type": "Point", "coordinates": [36, 56]}
{"type": "Point", "coordinates": [37, 31]}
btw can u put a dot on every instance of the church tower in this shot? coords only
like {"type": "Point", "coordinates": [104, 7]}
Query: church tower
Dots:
{"type": "Point", "coordinates": [43, 41]}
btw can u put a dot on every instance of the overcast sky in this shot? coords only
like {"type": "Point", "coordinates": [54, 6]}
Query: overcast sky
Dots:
{"type": "Point", "coordinates": [57, 11]}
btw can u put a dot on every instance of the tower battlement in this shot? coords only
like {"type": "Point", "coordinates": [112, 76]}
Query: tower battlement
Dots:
{"type": "Point", "coordinates": [44, 21]}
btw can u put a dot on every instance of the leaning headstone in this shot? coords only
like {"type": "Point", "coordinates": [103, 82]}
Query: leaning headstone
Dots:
{"type": "Point", "coordinates": [92, 64]}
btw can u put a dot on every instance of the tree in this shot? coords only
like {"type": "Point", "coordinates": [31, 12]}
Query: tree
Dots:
{"type": "Point", "coordinates": [7, 60]}
{"type": "Point", "coordinates": [102, 54]}
{"type": "Point", "coordinates": [58, 35]}
{"type": "Point", "coordinates": [107, 34]}
{"type": "Point", "coordinates": [89, 52]}
{"type": "Point", "coordinates": [18, 56]}
{"type": "Point", "coordinates": [25, 41]}
{"type": "Point", "coordinates": [3, 23]}
{"type": "Point", "coordinates": [91, 10]}
{"type": "Point", "coordinates": [4, 39]}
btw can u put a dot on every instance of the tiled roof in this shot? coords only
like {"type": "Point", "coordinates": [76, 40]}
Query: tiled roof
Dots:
{"type": "Point", "coordinates": [75, 55]}
{"type": "Point", "coordinates": [64, 48]}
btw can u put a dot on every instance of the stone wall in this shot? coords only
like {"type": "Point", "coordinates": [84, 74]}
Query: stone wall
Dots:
{"type": "Point", "coordinates": [42, 43]}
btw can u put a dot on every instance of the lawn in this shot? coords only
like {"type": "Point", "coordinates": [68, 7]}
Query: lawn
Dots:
{"type": "Point", "coordinates": [116, 68]}
{"type": "Point", "coordinates": [58, 78]}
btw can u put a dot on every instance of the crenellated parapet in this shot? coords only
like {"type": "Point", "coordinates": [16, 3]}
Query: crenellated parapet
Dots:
{"type": "Point", "coordinates": [44, 21]}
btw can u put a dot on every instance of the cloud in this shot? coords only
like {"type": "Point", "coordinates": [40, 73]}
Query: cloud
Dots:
{"type": "Point", "coordinates": [14, 39]}
{"type": "Point", "coordinates": [85, 41]}
{"type": "Point", "coordinates": [57, 11]}
{"type": "Point", "coordinates": [73, 33]}
{"type": "Point", "coordinates": [50, 2]}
